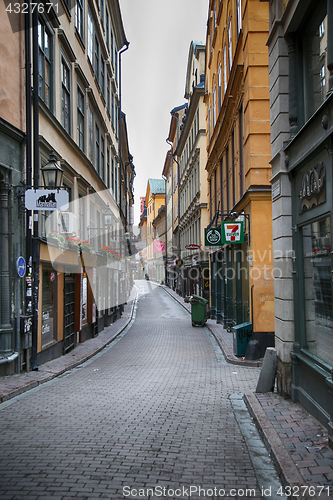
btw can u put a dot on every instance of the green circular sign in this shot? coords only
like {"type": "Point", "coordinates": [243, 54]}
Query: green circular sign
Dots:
{"type": "Point", "coordinates": [213, 236]}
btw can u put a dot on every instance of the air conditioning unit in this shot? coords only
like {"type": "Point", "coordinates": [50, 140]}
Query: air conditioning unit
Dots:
{"type": "Point", "coordinates": [67, 222]}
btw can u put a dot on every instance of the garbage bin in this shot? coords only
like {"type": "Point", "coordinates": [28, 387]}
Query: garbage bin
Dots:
{"type": "Point", "coordinates": [198, 310]}
{"type": "Point", "coordinates": [242, 335]}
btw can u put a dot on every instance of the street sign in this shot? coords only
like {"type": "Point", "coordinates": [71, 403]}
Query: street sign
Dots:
{"type": "Point", "coordinates": [46, 199]}
{"type": "Point", "coordinates": [192, 246]}
{"type": "Point", "coordinates": [232, 232]}
{"type": "Point", "coordinates": [213, 237]}
{"type": "Point", "coordinates": [20, 266]}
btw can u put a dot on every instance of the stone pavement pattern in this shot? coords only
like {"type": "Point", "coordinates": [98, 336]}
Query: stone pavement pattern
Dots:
{"type": "Point", "coordinates": [152, 410]}
{"type": "Point", "coordinates": [298, 443]}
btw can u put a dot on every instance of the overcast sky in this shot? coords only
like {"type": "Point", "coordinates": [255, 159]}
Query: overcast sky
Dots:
{"type": "Point", "coordinates": [153, 76]}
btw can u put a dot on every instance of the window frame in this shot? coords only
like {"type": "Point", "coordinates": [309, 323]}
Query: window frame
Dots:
{"type": "Point", "coordinates": [46, 58]}
{"type": "Point", "coordinates": [65, 92]}
{"type": "Point", "coordinates": [80, 116]}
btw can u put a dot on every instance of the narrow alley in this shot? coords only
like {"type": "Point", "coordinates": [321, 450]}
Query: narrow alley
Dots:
{"type": "Point", "coordinates": [149, 417]}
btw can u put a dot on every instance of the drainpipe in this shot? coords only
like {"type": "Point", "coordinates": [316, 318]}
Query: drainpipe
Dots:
{"type": "Point", "coordinates": [35, 240]}
{"type": "Point", "coordinates": [166, 233]}
{"type": "Point", "coordinates": [119, 129]}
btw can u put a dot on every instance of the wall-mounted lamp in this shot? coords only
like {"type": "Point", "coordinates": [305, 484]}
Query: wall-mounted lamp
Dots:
{"type": "Point", "coordinates": [52, 173]}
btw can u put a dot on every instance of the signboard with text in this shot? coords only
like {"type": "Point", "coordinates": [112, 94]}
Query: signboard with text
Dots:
{"type": "Point", "coordinates": [232, 232]}
{"type": "Point", "coordinates": [213, 237]}
{"type": "Point", "coordinates": [46, 199]}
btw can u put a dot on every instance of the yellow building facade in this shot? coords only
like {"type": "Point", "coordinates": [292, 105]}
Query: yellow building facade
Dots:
{"type": "Point", "coordinates": [238, 168]}
{"type": "Point", "coordinates": [155, 199]}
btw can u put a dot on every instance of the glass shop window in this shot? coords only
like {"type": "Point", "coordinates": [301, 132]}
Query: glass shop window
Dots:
{"type": "Point", "coordinates": [317, 259]}
{"type": "Point", "coordinates": [49, 307]}
{"type": "Point", "coordinates": [316, 74]}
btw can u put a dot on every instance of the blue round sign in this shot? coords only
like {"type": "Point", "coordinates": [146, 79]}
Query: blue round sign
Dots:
{"type": "Point", "coordinates": [21, 267]}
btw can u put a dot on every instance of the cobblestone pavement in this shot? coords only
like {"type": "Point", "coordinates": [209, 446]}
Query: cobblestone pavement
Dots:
{"type": "Point", "coordinates": [104, 426]}
{"type": "Point", "coordinates": [297, 442]}
{"type": "Point", "coordinates": [152, 411]}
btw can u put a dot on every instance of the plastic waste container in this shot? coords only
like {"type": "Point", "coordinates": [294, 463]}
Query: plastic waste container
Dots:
{"type": "Point", "coordinates": [242, 334]}
{"type": "Point", "coordinates": [198, 310]}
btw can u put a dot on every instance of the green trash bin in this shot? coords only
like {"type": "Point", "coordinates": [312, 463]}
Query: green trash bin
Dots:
{"type": "Point", "coordinates": [198, 310]}
{"type": "Point", "coordinates": [242, 334]}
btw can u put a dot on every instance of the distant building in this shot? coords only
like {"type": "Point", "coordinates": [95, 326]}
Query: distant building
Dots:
{"type": "Point", "coordinates": [191, 154]}
{"type": "Point", "coordinates": [155, 199]}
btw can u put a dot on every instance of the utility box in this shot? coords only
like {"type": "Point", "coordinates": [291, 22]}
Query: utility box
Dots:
{"type": "Point", "coordinates": [242, 334]}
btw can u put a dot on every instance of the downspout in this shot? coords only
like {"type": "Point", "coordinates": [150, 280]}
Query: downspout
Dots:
{"type": "Point", "coordinates": [35, 240]}
{"type": "Point", "coordinates": [166, 233]}
{"type": "Point", "coordinates": [119, 125]}
{"type": "Point", "coordinates": [178, 182]}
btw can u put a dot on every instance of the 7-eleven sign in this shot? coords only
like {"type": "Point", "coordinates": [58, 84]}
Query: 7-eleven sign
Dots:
{"type": "Point", "coordinates": [232, 232]}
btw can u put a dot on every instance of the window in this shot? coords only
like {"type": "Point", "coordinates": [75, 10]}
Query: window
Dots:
{"type": "Point", "coordinates": [91, 134]}
{"type": "Point", "coordinates": [90, 37]}
{"type": "Point", "coordinates": [239, 16]}
{"type": "Point", "coordinates": [112, 48]}
{"type": "Point", "coordinates": [108, 167]}
{"type": "Point", "coordinates": [229, 46]}
{"type": "Point", "coordinates": [65, 96]}
{"type": "Point", "coordinates": [112, 174]}
{"type": "Point", "coordinates": [116, 65]}
{"type": "Point", "coordinates": [96, 58]}
{"type": "Point", "coordinates": [102, 158]}
{"type": "Point", "coordinates": [214, 106]}
{"type": "Point", "coordinates": [241, 151]}
{"type": "Point", "coordinates": [80, 118]}
{"type": "Point", "coordinates": [108, 96]}
{"type": "Point", "coordinates": [102, 76]}
{"type": "Point", "coordinates": [79, 18]}
{"type": "Point", "coordinates": [225, 68]}
{"type": "Point", "coordinates": [97, 151]}
{"type": "Point", "coordinates": [49, 305]}
{"type": "Point", "coordinates": [227, 177]}
{"type": "Point", "coordinates": [219, 92]}
{"type": "Point", "coordinates": [233, 167]}
{"type": "Point", "coordinates": [102, 13]}
{"type": "Point", "coordinates": [107, 27]}
{"type": "Point", "coordinates": [112, 110]}
{"type": "Point", "coordinates": [318, 295]}
{"type": "Point", "coordinates": [44, 64]}
{"type": "Point", "coordinates": [116, 183]}
{"type": "Point", "coordinates": [316, 73]}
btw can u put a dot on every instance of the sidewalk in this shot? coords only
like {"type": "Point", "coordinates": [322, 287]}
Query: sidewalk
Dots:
{"type": "Point", "coordinates": [297, 442]}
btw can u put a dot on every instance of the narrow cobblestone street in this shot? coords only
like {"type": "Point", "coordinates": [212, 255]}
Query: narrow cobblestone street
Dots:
{"type": "Point", "coordinates": [154, 410]}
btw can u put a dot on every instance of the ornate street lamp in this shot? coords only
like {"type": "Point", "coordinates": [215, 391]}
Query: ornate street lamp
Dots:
{"type": "Point", "coordinates": [107, 216]}
{"type": "Point", "coordinates": [52, 173]}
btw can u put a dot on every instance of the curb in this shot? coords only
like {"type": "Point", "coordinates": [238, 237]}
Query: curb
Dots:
{"type": "Point", "coordinates": [46, 377]}
{"type": "Point", "coordinates": [287, 470]}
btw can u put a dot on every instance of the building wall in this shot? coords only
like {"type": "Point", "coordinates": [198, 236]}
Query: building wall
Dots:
{"type": "Point", "coordinates": [12, 165]}
{"type": "Point", "coordinates": [78, 119]}
{"type": "Point", "coordinates": [238, 144]}
{"type": "Point", "coordinates": [301, 110]}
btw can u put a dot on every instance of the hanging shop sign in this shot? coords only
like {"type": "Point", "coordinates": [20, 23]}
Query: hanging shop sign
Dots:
{"type": "Point", "coordinates": [192, 246]}
{"type": "Point", "coordinates": [213, 237]}
{"type": "Point", "coordinates": [232, 232]}
{"type": "Point", "coordinates": [46, 199]}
